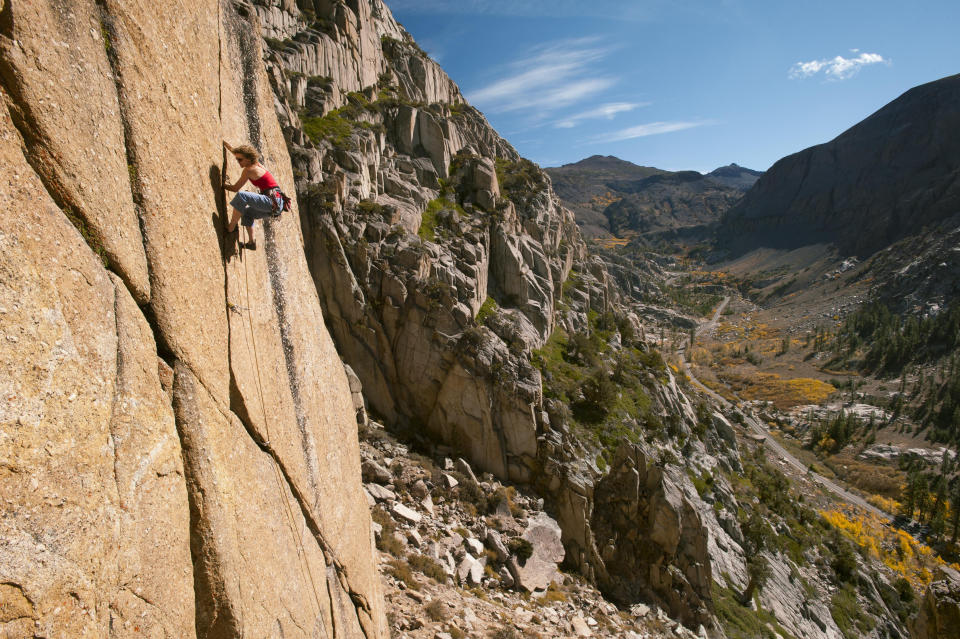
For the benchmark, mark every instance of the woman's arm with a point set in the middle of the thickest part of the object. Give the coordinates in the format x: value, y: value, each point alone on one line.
x: 227, y: 146
x: 244, y: 176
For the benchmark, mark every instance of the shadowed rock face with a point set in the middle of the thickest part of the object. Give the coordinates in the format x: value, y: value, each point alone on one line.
x: 880, y: 181
x: 655, y: 542
x: 939, y: 614
x: 171, y: 464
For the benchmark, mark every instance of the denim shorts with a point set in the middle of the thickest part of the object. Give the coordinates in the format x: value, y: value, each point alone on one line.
x: 252, y: 206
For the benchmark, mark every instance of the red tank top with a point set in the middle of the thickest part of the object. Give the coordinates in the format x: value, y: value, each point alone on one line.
x: 265, y: 181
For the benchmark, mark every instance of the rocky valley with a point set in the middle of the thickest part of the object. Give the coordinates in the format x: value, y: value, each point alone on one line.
x: 426, y: 405
x: 612, y: 196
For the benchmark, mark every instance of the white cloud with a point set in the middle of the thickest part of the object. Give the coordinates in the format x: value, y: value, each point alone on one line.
x: 552, y: 77
x: 607, y: 111
x: 652, y: 128
x: 838, y: 68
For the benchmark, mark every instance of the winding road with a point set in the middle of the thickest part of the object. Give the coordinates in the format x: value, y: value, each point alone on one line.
x: 756, y: 427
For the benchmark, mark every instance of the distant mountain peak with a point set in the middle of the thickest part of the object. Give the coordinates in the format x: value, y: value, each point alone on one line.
x: 600, y: 162
x: 733, y: 170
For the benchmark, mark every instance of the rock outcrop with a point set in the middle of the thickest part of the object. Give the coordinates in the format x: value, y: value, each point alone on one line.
x: 169, y: 466
x: 939, y: 614
x: 653, y: 538
x: 880, y: 181
x: 444, y: 261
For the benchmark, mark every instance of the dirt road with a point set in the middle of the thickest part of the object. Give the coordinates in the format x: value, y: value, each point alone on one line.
x: 756, y: 427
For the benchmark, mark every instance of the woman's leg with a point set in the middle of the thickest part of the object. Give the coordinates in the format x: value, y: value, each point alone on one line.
x: 249, y: 230
x: 234, y: 218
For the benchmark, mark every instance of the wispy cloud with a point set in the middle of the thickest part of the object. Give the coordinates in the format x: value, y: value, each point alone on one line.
x: 838, y: 68
x: 615, y: 9
x: 651, y: 128
x: 607, y: 111
x: 551, y: 77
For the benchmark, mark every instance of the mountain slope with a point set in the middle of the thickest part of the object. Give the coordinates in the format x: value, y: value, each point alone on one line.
x: 610, y: 195
x: 881, y: 180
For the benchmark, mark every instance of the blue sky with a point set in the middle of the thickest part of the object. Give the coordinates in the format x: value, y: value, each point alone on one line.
x: 689, y: 84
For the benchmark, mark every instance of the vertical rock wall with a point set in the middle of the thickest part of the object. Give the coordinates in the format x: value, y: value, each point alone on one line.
x: 415, y: 218
x: 189, y: 465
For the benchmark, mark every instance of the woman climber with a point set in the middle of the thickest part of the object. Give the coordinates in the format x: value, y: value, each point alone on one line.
x: 247, y: 206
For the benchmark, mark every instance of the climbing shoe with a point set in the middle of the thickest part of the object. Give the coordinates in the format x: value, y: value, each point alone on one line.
x: 251, y: 245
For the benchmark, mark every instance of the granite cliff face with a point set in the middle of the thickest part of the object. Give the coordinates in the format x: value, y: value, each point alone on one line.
x: 168, y: 465
x: 880, y: 181
x: 444, y: 262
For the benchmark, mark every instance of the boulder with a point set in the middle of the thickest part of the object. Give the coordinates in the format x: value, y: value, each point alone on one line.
x: 380, y: 493
x: 470, y: 570
x: 495, y: 543
x: 374, y: 472
x: 580, y: 627
x: 406, y: 514
x: 540, y: 568
x: 475, y: 546
x: 464, y: 468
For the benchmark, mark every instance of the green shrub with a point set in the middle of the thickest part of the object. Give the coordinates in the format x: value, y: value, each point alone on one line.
x: 428, y: 221
x: 436, y: 610
x: 487, y: 310
x: 332, y: 128
x: 369, y: 207
x: 520, y: 181
x: 401, y: 570
x: 387, y: 542
x: 520, y: 547
x: 848, y: 614
x: 322, y: 81
x: 428, y: 566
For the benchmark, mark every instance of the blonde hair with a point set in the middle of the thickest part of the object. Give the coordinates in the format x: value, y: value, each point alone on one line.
x: 248, y: 152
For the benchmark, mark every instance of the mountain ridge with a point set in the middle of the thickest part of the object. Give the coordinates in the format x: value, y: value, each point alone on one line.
x: 881, y: 180
x: 611, y: 195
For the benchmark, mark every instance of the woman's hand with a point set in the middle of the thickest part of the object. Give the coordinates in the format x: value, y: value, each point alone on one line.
x: 227, y: 146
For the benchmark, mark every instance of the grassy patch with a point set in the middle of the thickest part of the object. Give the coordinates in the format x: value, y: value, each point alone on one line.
x: 521, y: 181
x: 848, y: 614
x: 741, y: 622
x: 428, y: 566
x: 430, y: 219
x: 332, y: 128
x: 487, y: 309
x: 400, y: 569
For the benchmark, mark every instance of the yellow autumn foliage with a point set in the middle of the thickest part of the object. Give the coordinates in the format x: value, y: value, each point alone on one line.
x: 786, y: 393
x: 901, y: 553
x: 885, y: 504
